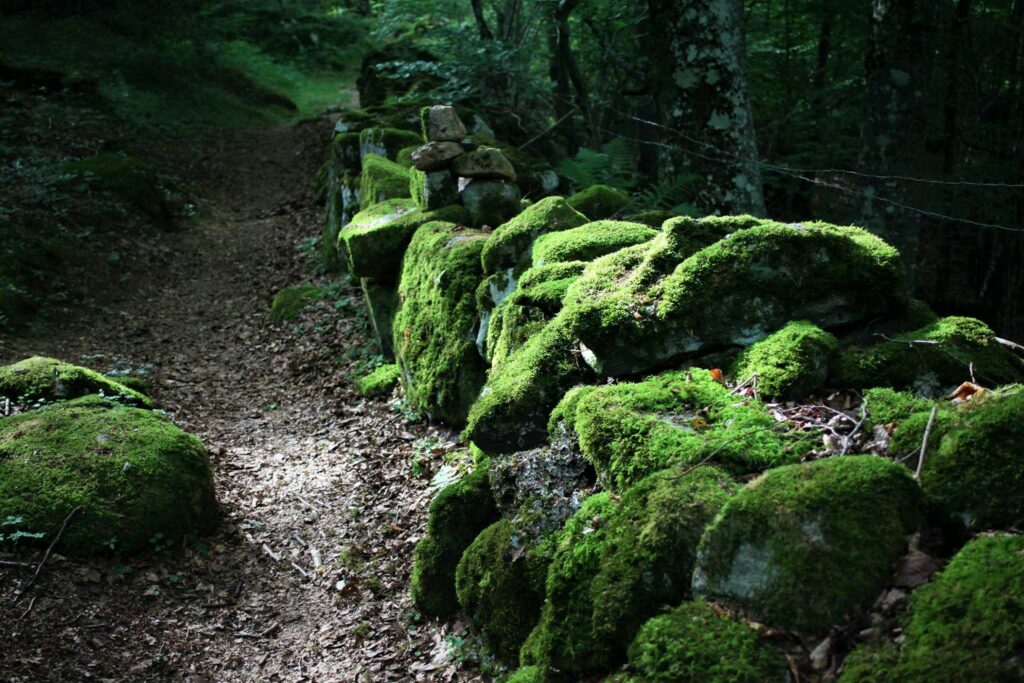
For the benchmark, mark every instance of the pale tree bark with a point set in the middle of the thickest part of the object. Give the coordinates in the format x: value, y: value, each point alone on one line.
x: 706, y: 100
x: 899, y: 65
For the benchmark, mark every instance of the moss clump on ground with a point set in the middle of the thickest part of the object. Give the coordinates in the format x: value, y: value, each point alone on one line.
x: 376, y: 239
x: 589, y: 241
x: 510, y: 244
x: 436, y: 322
x: 888, y: 406
x: 380, y: 382
x: 695, y: 644
x: 133, y: 473
x: 500, y: 585
x: 49, y: 379
x: 129, y: 180
x: 458, y: 514
x: 973, y: 467
x: 932, y: 358
x: 645, y: 306
x: 628, y: 431
x: 804, y: 545
x: 527, y: 674
x: 382, y: 180
x: 291, y: 301
x: 386, y: 142
x: 618, y: 561
x: 790, y: 363
x: 598, y: 202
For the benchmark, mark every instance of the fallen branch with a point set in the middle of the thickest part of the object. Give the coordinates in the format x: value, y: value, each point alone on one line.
x: 924, y: 442
x: 46, y: 555
x: 1011, y: 345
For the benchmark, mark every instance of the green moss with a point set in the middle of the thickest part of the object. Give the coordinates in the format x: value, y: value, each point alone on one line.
x: 932, y: 358
x: 49, y: 379
x: 871, y: 662
x: 433, y: 190
x: 500, y: 585
x: 380, y: 382
x: 129, y: 180
x: 630, y: 430
x: 598, y: 202
x: 382, y: 180
x: 618, y: 561
x: 510, y: 244
x: 291, y: 301
x: 376, y: 239
x: 510, y: 327
x: 654, y: 218
x: 563, y: 417
x: 386, y: 142
x: 641, y: 307
x: 435, y: 326
x: 790, y: 363
x: 695, y: 644
x: 589, y: 241
x: 404, y: 156
x: 973, y: 468
x: 527, y: 674
x: 490, y: 202
x: 458, y: 514
x: 345, y: 153
x: 544, y: 287
x: 804, y: 545
x: 888, y: 406
x: 135, y: 382
x: 132, y: 472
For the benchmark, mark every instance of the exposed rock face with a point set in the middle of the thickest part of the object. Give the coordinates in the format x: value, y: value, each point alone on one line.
x: 433, y: 190
x: 490, y: 202
x: 435, y: 155
x: 442, y: 124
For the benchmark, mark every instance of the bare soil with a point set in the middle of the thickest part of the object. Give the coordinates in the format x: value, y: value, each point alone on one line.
x: 307, y: 579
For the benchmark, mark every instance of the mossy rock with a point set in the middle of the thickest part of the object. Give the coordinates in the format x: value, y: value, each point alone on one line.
x: 527, y: 674
x: 48, y: 379
x: 490, y: 202
x: 803, y: 546
x: 695, y: 644
x: 436, y: 322
x: 872, y: 662
x: 134, y: 475
x: 382, y: 180
x: 563, y: 417
x: 510, y: 245
x: 627, y: 431
x: 589, y: 241
x: 433, y: 190
x: 291, y: 301
x: 342, y: 206
x: 888, y: 406
x: 458, y: 514
x: 972, y: 468
x: 618, y: 561
x: 645, y: 306
x: 544, y: 287
x: 375, y: 241
x: 500, y: 585
x: 345, y: 155
x: 127, y: 179
x: 381, y: 303
x: 654, y: 218
x: 598, y: 202
x: 932, y: 359
x: 790, y: 363
x: 405, y: 117
x: 379, y: 382
x: 510, y: 326
x: 404, y: 156
x: 386, y: 142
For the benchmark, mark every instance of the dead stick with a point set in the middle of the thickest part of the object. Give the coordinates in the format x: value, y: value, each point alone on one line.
x: 46, y: 555
x: 924, y: 442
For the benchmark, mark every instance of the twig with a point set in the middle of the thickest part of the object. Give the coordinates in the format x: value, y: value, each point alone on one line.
x: 745, y: 383
x: 1010, y: 345
x: 556, y: 125
x: 274, y: 556
x: 299, y: 569
x: 924, y: 442
x: 31, y: 604
x: 856, y: 428
x: 46, y: 555
x: 909, y: 342
x: 14, y: 563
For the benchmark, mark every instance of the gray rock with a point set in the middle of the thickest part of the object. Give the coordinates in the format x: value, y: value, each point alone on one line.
x: 486, y: 162
x: 490, y: 202
x: 433, y: 190
x: 435, y: 155
x: 441, y: 123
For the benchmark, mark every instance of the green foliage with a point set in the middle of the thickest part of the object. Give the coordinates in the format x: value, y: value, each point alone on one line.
x: 614, y: 164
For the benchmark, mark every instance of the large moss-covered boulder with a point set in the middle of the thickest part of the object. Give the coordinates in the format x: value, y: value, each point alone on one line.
x: 973, y: 466
x: 133, y: 475
x: 790, y: 363
x: 598, y: 202
x: 589, y: 241
x: 628, y: 431
x: 48, y: 379
x: 932, y: 359
x: 386, y: 142
x: 381, y: 180
x: 618, y: 561
x: 695, y: 644
x: 376, y: 238
x: 458, y: 513
x: 967, y: 624
x: 805, y: 545
x: 510, y: 245
x: 436, y: 323
x: 641, y: 308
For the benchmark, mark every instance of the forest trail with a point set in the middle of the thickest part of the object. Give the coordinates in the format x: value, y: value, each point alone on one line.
x: 307, y: 578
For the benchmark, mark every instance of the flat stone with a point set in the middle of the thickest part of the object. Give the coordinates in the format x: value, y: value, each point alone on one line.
x: 441, y: 123
x: 434, y: 156
x: 485, y: 163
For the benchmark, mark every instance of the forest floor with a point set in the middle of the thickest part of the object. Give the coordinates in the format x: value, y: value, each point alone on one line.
x: 307, y: 579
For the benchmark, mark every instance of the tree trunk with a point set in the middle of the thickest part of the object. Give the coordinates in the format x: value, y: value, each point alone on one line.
x: 567, y: 59
x: 707, y: 102
x: 481, y: 21
x: 560, y: 86
x: 951, y: 131
x: 898, y: 63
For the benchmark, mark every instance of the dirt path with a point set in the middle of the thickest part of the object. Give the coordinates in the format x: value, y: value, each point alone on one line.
x: 307, y: 580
